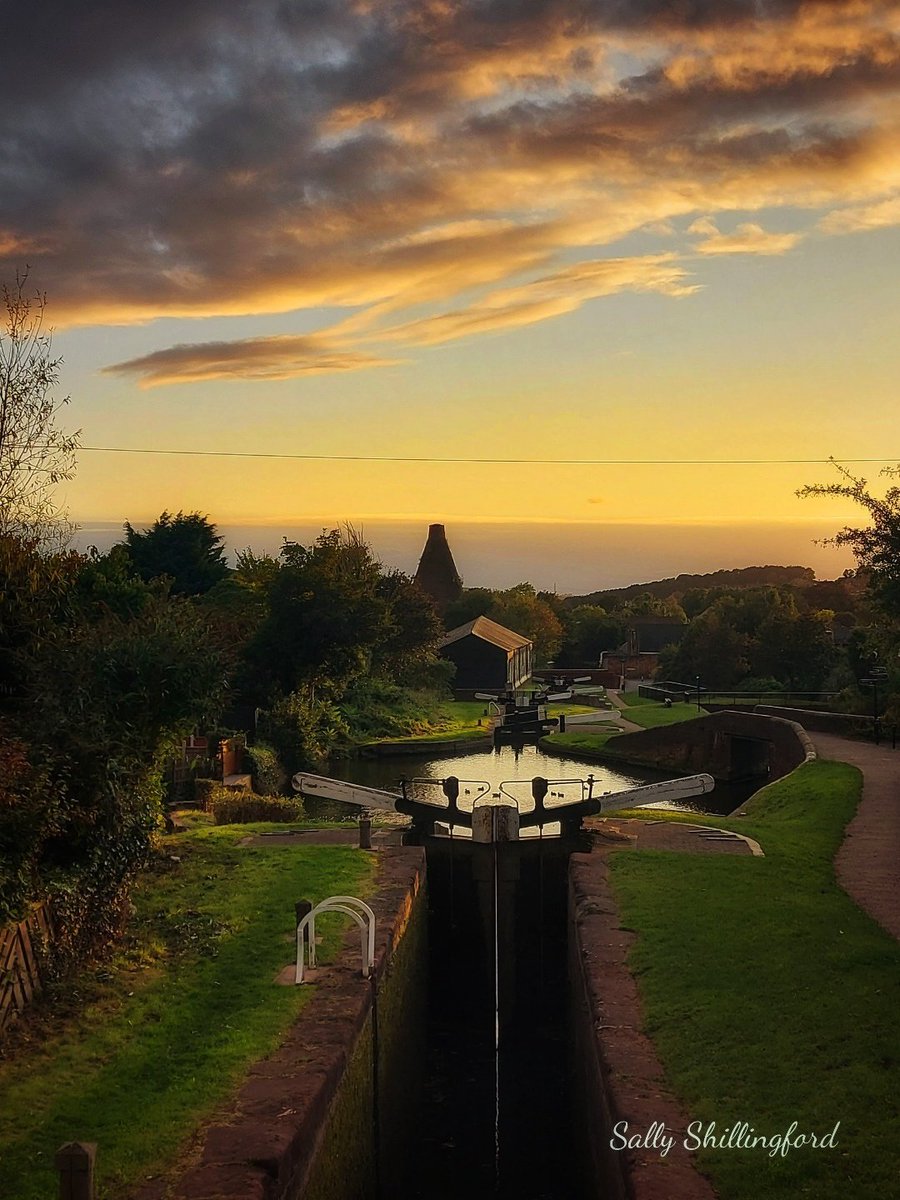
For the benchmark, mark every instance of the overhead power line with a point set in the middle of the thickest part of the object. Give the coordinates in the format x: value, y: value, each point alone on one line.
x: 512, y: 462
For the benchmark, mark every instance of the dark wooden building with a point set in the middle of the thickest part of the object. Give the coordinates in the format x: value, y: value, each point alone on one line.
x: 488, y: 656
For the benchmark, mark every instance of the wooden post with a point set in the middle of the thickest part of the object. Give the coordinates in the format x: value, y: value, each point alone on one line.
x: 75, y: 1163
x: 365, y: 833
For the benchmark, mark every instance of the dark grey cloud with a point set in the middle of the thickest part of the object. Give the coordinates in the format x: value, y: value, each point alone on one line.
x: 198, y: 156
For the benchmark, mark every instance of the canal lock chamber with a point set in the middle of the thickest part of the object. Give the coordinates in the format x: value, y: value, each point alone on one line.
x: 498, y: 1115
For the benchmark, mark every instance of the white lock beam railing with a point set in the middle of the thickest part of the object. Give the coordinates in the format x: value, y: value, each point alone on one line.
x: 353, y: 907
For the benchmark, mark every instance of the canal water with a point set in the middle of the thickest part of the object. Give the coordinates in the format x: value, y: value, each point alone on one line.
x: 510, y: 769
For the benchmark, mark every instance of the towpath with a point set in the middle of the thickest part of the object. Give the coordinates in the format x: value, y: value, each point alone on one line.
x: 868, y: 862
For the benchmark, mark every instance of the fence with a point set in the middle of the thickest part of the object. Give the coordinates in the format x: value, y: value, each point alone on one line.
x: 20, y: 944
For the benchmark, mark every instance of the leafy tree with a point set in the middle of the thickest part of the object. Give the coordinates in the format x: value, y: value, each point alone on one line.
x: 797, y: 649
x: 109, y: 674
x: 711, y: 648
x: 35, y: 594
x: 302, y: 729
x: 876, y: 546
x: 184, y: 548
x: 108, y: 583
x: 34, y: 454
x: 325, y: 614
x: 519, y: 609
x: 412, y: 627
x: 648, y: 605
x: 590, y: 630
x: 474, y: 602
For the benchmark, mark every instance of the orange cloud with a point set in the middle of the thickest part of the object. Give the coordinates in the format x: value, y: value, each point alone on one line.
x: 861, y: 217
x: 549, y: 296
x: 748, y: 238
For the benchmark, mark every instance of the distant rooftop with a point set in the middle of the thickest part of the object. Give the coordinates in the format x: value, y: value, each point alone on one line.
x: 488, y: 631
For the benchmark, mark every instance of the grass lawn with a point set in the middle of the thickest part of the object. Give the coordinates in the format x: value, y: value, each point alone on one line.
x: 652, y: 713
x: 578, y: 741
x: 136, y: 1054
x: 459, y: 719
x: 771, y: 997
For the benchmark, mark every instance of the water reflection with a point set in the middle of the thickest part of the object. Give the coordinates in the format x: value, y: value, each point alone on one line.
x: 514, y: 767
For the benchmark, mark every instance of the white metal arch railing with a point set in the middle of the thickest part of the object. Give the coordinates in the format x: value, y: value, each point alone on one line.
x: 350, y: 905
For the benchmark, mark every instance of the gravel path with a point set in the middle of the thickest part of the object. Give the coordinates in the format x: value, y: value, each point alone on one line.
x: 868, y: 862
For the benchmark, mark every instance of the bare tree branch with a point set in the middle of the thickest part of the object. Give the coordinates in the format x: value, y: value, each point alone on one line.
x: 35, y: 455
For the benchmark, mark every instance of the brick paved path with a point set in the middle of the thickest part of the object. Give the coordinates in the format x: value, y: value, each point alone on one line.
x: 868, y: 862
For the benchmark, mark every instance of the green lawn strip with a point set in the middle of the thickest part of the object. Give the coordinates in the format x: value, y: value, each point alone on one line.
x: 651, y: 713
x: 189, y: 1007
x: 770, y: 996
x: 580, y: 742
x: 462, y: 722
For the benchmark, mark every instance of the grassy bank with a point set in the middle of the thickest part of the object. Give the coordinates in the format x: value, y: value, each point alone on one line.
x: 650, y: 714
x: 771, y: 997
x: 461, y: 719
x: 136, y: 1054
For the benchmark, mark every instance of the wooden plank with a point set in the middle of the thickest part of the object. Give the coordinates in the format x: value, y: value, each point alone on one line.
x: 7, y: 945
x: 27, y: 950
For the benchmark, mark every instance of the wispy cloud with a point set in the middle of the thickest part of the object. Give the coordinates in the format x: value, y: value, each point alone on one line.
x: 861, y: 217
x: 283, y: 357
x: 548, y: 296
x: 748, y: 238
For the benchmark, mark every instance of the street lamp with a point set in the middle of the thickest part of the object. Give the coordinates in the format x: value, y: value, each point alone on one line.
x: 877, y: 675
x: 698, y: 692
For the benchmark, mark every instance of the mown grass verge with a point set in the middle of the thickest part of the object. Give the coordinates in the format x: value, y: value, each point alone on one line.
x: 136, y: 1054
x: 771, y: 997
x: 650, y: 714
x: 469, y: 719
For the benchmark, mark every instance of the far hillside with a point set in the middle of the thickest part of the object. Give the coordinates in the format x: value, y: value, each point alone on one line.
x: 741, y: 577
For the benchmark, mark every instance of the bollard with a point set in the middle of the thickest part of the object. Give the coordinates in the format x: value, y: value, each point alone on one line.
x: 75, y: 1163
x: 365, y: 833
x: 562, y: 722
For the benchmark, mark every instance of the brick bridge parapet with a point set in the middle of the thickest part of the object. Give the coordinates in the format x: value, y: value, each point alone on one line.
x: 729, y: 745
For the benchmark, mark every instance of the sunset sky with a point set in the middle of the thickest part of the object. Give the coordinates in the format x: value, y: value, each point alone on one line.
x: 496, y: 229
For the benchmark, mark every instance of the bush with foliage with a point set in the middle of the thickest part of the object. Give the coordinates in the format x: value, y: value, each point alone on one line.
x: 267, y: 774
x: 236, y: 806
x: 184, y: 548
x: 375, y: 708
x: 302, y: 729
x: 102, y: 692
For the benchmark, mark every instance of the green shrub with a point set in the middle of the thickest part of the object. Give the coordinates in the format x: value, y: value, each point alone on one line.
x: 375, y: 708
x: 302, y: 730
x: 264, y: 766
x: 204, y: 789
x: 234, y: 806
